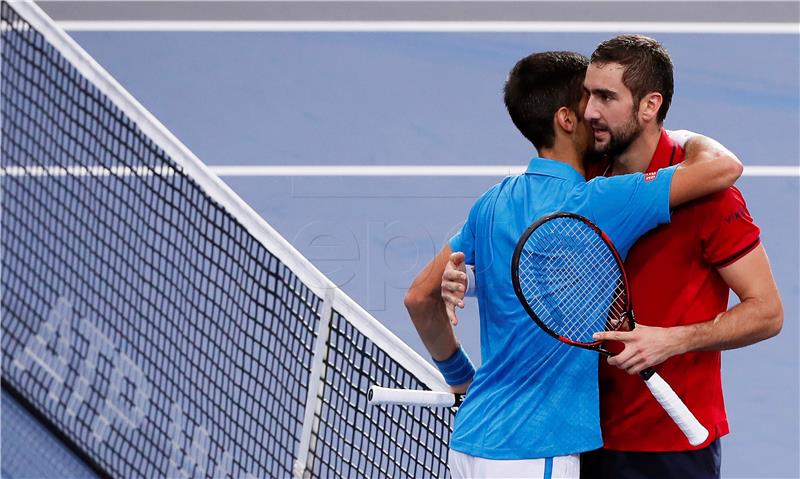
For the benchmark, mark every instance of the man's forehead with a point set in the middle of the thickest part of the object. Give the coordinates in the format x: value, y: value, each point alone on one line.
x: 604, y: 73
x: 607, y: 66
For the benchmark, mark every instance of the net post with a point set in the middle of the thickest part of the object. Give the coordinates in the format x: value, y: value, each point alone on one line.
x: 316, y: 384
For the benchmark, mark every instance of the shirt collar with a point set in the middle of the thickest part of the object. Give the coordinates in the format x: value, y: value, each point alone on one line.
x: 666, y: 153
x: 556, y: 169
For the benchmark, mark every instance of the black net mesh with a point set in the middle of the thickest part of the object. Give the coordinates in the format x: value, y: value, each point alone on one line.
x: 138, y: 315
x: 356, y: 440
x: 144, y: 322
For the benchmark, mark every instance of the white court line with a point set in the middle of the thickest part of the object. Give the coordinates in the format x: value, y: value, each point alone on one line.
x: 784, y: 171
x: 431, y: 26
x: 369, y: 170
x: 432, y: 170
x: 332, y: 170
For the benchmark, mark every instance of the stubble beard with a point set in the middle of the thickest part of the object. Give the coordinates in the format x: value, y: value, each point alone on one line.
x: 620, y: 138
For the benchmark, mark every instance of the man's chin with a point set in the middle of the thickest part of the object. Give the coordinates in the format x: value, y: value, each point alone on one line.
x: 601, y: 147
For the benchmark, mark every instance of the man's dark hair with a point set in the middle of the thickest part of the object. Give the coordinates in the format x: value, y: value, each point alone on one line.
x: 648, y: 67
x: 538, y: 86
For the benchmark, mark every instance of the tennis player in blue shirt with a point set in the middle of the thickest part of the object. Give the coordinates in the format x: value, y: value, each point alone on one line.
x: 532, y: 407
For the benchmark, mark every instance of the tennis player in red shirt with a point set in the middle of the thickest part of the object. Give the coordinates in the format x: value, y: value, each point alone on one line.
x: 680, y: 275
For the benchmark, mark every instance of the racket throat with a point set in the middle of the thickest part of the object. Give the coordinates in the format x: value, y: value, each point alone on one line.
x: 647, y: 373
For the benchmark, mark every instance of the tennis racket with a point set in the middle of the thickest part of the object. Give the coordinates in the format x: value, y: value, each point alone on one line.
x: 571, y: 281
x: 409, y: 397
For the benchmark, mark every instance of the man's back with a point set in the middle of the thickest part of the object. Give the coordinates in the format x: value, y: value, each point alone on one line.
x: 515, y: 407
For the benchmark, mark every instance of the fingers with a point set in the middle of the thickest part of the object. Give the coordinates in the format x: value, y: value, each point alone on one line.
x: 450, y: 303
x: 621, y: 323
x: 632, y: 359
x: 454, y: 285
x: 453, y: 300
x: 630, y: 363
x: 457, y: 258
x: 455, y: 275
x: 452, y: 295
x: 612, y: 336
x: 451, y: 314
x: 629, y: 359
x: 645, y: 347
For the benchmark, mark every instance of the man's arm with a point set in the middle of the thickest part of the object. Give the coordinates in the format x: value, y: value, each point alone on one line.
x: 758, y: 316
x: 708, y: 167
x: 427, y: 310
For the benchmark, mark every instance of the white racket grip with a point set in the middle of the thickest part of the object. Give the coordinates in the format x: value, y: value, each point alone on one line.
x: 677, y: 410
x: 379, y: 395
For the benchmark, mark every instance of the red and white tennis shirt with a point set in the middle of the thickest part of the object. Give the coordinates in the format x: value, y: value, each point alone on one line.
x: 674, y: 281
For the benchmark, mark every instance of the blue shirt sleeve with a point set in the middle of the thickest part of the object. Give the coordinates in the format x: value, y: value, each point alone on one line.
x: 626, y: 207
x: 464, y: 240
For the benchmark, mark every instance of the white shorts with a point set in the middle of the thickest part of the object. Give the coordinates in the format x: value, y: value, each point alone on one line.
x: 561, y: 467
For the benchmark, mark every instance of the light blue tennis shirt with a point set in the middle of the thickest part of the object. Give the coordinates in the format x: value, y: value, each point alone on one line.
x: 534, y: 396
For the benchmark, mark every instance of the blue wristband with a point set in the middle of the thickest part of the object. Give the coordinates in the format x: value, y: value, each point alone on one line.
x: 457, y: 369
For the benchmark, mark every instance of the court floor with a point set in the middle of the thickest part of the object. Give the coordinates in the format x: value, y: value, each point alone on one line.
x: 421, y: 99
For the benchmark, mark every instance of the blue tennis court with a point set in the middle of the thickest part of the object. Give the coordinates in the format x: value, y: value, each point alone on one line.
x: 419, y: 99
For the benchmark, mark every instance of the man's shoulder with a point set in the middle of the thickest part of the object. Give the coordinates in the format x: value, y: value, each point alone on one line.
x: 492, y: 191
x: 488, y: 199
x: 507, y: 186
x: 708, y: 213
x: 730, y: 198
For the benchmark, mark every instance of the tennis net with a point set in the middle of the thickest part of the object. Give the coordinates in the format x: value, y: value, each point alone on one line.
x: 154, y: 320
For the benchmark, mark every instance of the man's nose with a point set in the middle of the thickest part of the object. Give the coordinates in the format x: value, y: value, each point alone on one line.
x: 591, y: 112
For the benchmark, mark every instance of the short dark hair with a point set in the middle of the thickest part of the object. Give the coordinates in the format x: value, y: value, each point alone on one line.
x: 648, y: 67
x: 538, y: 86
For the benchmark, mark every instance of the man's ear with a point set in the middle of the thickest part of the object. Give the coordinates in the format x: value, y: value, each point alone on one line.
x: 565, y: 119
x: 649, y: 106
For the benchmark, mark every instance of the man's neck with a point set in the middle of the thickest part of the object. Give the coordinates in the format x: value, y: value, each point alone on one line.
x: 637, y: 157
x: 566, y: 155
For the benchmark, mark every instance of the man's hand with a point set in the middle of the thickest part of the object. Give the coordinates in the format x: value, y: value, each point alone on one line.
x: 645, y: 346
x: 454, y: 285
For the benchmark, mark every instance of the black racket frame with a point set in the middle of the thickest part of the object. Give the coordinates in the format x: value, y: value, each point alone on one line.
x: 628, y: 307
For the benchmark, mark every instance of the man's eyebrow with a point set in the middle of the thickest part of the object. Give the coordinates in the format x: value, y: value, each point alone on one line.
x: 601, y: 91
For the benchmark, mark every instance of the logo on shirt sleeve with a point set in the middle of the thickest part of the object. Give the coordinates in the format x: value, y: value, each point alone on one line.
x: 739, y: 214
x: 650, y: 176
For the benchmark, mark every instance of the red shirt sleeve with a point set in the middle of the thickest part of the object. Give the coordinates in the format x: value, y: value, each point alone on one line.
x: 728, y: 232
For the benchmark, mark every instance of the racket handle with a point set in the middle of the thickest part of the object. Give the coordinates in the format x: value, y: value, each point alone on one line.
x: 379, y: 395
x: 677, y: 410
